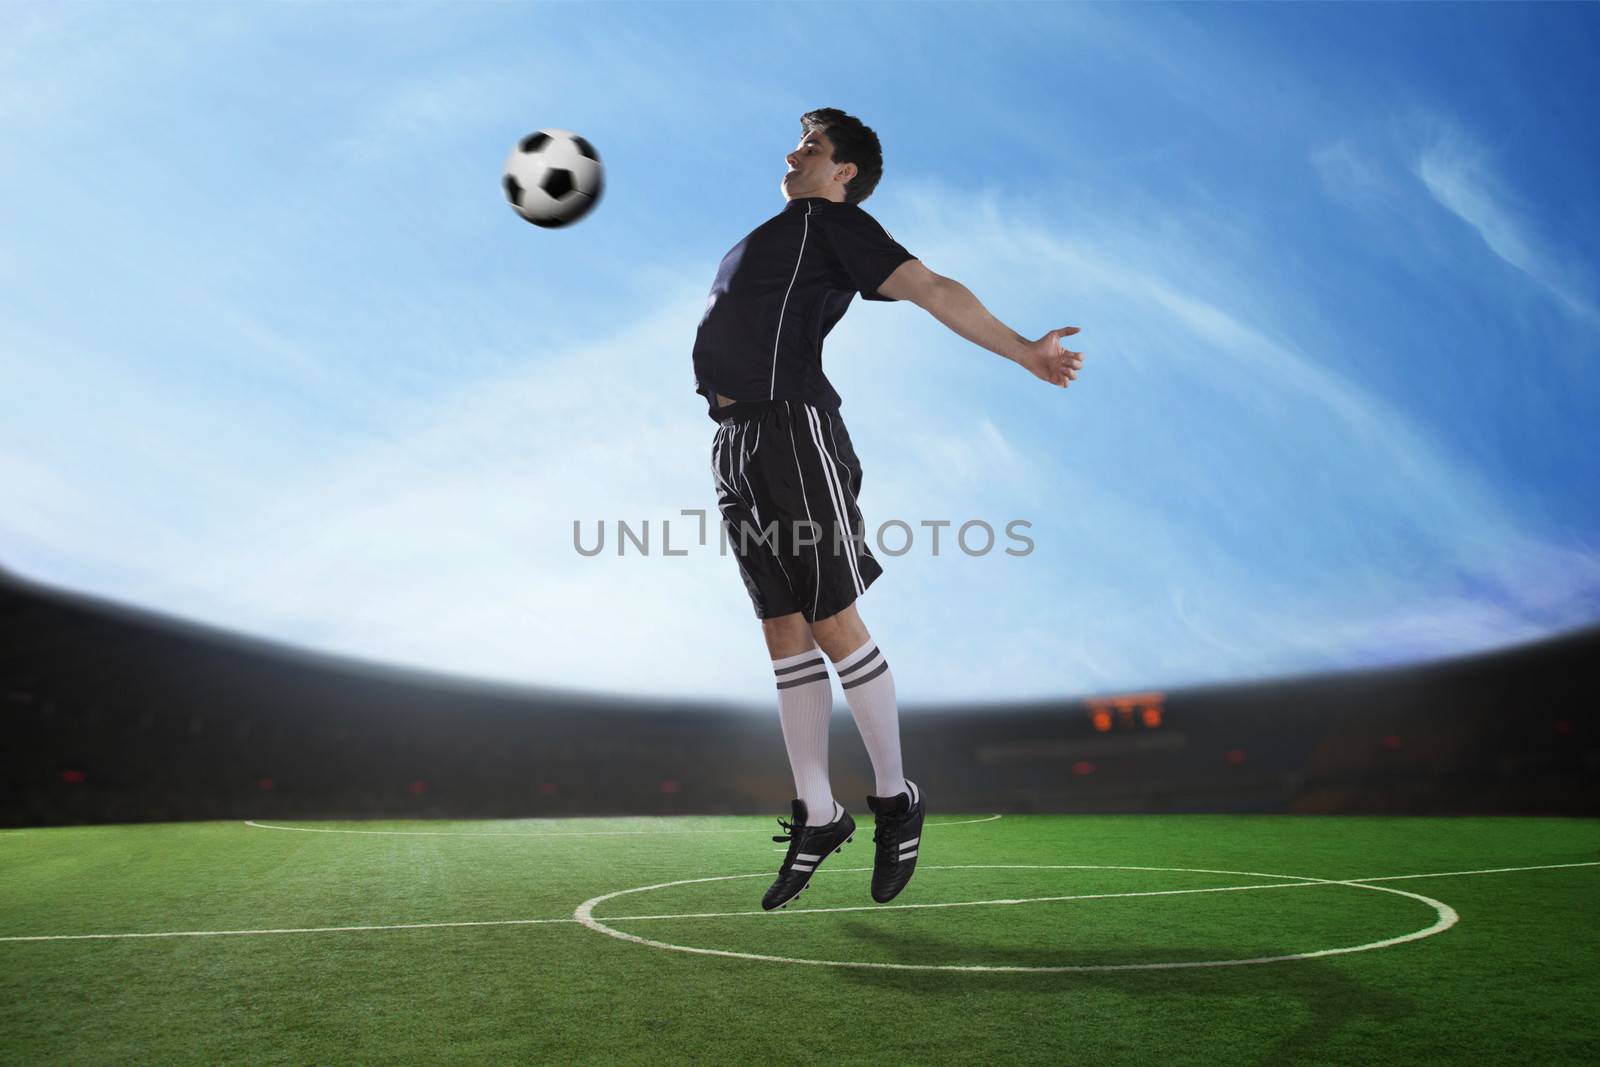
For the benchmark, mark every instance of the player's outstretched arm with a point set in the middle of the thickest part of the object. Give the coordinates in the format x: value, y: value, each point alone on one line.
x: 959, y: 309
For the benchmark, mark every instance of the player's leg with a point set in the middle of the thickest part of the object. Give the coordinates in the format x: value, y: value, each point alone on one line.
x: 787, y: 635
x: 869, y: 690
x: 897, y: 803
x: 805, y: 709
x: 819, y: 826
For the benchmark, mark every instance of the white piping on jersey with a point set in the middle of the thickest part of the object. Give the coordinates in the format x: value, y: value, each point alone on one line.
x: 772, y: 386
x: 836, y: 495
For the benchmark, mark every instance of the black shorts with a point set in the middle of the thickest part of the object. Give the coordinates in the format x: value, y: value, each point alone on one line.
x: 787, y: 480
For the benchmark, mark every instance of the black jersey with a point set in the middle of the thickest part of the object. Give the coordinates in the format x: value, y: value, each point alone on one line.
x: 779, y: 291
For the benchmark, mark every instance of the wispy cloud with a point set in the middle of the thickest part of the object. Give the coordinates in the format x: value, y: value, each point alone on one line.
x: 1460, y: 176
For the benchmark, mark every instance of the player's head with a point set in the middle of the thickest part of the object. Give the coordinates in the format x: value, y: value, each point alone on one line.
x: 838, y: 158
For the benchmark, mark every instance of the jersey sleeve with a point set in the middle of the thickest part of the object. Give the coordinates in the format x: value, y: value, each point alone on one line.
x: 867, y: 251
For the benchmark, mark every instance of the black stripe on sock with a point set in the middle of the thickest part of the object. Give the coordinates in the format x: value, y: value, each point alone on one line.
x: 807, y: 665
x: 862, y: 662
x: 863, y: 681
x: 792, y: 682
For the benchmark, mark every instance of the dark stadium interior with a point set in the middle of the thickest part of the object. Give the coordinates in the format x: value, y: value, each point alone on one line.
x: 119, y: 715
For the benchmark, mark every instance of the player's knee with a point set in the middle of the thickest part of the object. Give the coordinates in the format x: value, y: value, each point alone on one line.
x: 841, y: 633
x: 787, y: 635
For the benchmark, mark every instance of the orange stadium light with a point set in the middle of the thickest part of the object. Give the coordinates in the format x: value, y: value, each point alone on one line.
x: 1132, y: 710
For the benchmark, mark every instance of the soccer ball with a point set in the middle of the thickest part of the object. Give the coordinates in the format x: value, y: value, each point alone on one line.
x: 553, y: 178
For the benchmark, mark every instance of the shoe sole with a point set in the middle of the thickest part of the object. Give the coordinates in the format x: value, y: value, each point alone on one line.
x: 807, y: 884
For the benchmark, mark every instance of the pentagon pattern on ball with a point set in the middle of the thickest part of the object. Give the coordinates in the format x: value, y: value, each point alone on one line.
x: 556, y: 182
x: 553, y: 178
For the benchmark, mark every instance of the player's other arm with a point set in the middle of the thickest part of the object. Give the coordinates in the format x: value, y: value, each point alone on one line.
x: 955, y: 305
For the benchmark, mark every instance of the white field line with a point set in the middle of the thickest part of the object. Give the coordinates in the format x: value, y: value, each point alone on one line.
x: 285, y: 930
x: 567, y: 833
x: 1445, y: 918
x: 798, y: 911
x: 1490, y: 870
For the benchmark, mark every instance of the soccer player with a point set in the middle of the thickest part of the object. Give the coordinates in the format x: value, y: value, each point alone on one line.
x: 787, y: 477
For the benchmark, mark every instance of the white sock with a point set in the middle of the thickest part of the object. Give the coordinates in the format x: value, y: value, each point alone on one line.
x: 869, y: 690
x: 805, y: 708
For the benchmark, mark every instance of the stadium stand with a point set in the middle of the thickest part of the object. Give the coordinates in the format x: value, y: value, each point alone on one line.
x: 115, y: 714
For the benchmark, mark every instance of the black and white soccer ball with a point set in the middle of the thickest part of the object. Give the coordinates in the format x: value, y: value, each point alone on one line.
x: 553, y: 178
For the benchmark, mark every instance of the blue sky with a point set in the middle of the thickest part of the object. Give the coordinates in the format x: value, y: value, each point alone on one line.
x: 275, y: 354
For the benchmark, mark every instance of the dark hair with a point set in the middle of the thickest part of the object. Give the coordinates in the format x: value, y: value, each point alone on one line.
x: 852, y: 143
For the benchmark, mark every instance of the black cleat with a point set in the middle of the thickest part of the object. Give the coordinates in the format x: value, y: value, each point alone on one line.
x: 808, y: 847
x: 897, y: 837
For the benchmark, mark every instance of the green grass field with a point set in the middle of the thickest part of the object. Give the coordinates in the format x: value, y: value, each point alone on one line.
x: 1037, y: 939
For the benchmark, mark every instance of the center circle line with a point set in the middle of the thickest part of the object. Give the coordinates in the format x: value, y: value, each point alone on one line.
x: 1446, y: 917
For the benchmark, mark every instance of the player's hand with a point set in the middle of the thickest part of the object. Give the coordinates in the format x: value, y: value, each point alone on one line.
x: 1048, y: 361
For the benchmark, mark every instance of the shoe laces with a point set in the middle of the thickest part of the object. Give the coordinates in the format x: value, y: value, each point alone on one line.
x: 793, y: 833
x: 887, y: 837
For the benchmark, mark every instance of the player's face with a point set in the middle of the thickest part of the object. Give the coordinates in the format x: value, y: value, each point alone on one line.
x: 811, y: 167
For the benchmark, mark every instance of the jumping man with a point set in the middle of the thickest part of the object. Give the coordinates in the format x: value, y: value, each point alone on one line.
x: 787, y: 477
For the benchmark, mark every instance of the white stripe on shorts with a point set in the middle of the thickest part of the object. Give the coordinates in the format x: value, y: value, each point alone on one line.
x: 836, y: 494
x: 816, y: 554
